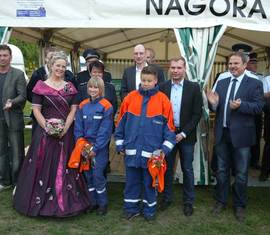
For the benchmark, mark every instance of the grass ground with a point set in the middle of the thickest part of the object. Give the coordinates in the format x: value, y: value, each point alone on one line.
x: 171, y: 221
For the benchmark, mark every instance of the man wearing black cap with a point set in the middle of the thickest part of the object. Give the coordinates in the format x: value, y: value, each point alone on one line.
x: 265, y: 166
x: 90, y: 55
x: 255, y: 150
x: 252, y: 63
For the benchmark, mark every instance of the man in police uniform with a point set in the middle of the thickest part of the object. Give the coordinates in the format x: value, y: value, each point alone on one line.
x: 255, y: 149
x: 90, y: 55
x: 265, y: 166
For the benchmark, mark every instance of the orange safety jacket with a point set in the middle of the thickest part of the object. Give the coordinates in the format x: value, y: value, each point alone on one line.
x: 157, y: 173
x: 75, y: 158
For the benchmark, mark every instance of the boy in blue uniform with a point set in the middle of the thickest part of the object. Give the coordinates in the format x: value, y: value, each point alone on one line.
x: 94, y: 121
x: 145, y: 124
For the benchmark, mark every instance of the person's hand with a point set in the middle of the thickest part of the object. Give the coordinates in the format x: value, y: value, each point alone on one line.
x: 158, y: 153
x: 122, y: 152
x: 8, y: 105
x: 212, y: 97
x: 92, y: 154
x: 235, y: 104
x: 162, y: 154
x: 179, y: 137
x: 63, y: 133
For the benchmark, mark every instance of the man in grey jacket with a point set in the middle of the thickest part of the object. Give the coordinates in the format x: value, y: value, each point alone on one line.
x: 12, y: 97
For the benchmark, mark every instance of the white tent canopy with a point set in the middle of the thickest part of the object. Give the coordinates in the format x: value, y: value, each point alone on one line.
x: 115, y: 27
x: 119, y: 42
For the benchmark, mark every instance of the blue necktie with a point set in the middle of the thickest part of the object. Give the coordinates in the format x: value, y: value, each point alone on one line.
x: 231, y: 97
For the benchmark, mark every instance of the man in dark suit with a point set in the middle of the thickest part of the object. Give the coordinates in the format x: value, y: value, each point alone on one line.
x: 12, y: 97
x: 236, y: 101
x: 186, y: 99
x: 132, y: 75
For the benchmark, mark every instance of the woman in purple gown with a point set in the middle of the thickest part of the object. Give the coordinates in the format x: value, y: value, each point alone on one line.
x: 46, y: 187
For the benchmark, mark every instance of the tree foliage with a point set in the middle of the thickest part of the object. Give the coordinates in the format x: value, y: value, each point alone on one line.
x: 30, y: 53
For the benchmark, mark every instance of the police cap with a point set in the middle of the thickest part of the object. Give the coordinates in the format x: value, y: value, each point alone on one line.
x: 253, y: 57
x: 242, y: 48
x: 90, y: 53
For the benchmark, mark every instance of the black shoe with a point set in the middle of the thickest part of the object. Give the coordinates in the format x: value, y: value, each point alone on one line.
x: 218, y: 208
x: 150, y: 218
x: 130, y: 216
x: 263, y: 177
x: 102, y: 210
x: 188, y: 209
x: 92, y: 208
x: 240, y: 214
x: 164, y: 205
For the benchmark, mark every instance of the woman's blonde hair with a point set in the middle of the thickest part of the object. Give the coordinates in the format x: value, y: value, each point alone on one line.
x: 57, y: 55
x: 97, y: 82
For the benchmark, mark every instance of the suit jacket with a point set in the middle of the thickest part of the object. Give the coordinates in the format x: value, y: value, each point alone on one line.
x: 14, y: 89
x: 266, y: 109
x: 242, y: 120
x: 191, y: 108
x: 128, y: 82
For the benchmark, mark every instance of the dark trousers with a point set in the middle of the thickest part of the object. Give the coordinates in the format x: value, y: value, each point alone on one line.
x: 186, y: 158
x: 265, y: 169
x: 255, y: 149
x: 265, y: 166
x: 229, y: 156
x: 11, y: 154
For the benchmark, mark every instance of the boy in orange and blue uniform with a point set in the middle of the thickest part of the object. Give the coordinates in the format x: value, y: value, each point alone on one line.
x: 145, y: 124
x: 93, y: 122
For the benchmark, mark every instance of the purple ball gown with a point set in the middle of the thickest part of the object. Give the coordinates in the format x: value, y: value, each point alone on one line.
x: 46, y: 186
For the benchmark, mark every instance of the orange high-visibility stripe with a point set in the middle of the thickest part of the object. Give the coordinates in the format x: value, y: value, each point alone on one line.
x: 84, y: 102
x: 105, y: 103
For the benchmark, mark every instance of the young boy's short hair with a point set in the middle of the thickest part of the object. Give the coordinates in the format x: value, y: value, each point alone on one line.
x: 96, y: 82
x: 150, y: 69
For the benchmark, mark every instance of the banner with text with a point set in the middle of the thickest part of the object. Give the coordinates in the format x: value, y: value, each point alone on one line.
x: 246, y: 14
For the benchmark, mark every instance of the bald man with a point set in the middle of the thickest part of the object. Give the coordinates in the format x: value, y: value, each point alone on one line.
x: 131, y: 76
